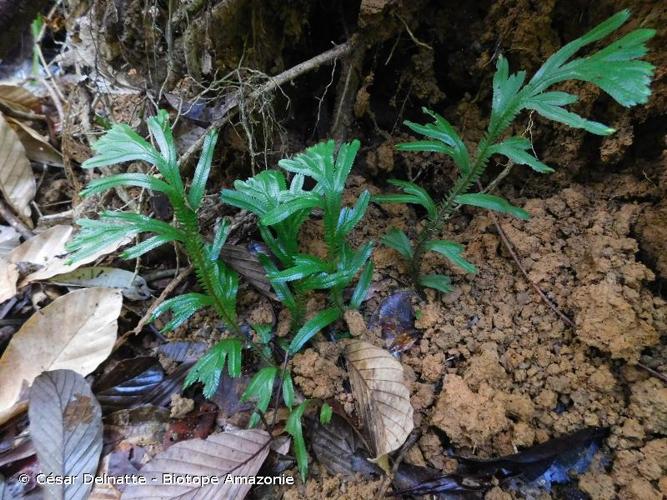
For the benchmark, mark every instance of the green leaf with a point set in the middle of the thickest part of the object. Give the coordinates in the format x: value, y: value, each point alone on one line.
x: 515, y: 148
x: 242, y: 200
x: 326, y: 412
x: 133, y: 180
x: 288, y: 390
x: 294, y: 429
x: 492, y: 202
x: 306, y: 201
x: 145, y: 246
x: 424, y: 199
x: 320, y: 321
x: 350, y: 217
x: 282, y: 290
x: 181, y: 308
x: 344, y: 162
x: 363, y: 284
x: 260, y: 388
x: 208, y: 369
x: 439, y: 282
x: 159, y: 128
x: 219, y: 239
x: 315, y: 162
x: 615, y: 68
x: 452, y: 251
x: 559, y: 114
x: 202, y: 171
x: 305, y: 266
x: 264, y: 331
x: 121, y: 144
x: 450, y: 143
x: 397, y: 240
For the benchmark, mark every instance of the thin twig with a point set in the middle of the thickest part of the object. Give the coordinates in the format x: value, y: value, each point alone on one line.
x: 163, y: 296
x: 653, y: 372
x: 273, y: 83
x: 14, y: 221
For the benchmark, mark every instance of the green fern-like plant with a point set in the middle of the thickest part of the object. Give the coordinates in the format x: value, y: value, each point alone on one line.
x: 616, y: 69
x: 218, y: 282
x: 281, y: 209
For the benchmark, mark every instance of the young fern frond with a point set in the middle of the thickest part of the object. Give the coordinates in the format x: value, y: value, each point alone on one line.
x: 616, y: 69
x: 218, y: 282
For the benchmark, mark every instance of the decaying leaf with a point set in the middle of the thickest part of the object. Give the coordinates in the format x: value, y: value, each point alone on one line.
x: 9, y: 240
x: 128, y: 383
x: 245, y: 262
x: 66, y: 429
x: 36, y: 147
x: 17, y: 183
x: 132, y: 286
x: 338, y: 449
x: 239, y: 453
x: 18, y: 98
x: 76, y: 331
x: 381, y: 396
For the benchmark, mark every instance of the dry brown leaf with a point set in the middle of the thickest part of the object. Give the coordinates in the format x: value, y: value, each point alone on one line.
x: 382, y: 398
x: 19, y: 98
x: 238, y: 453
x: 76, y: 331
x: 17, y: 183
x: 46, y: 251
x: 36, y: 147
x: 38, y: 251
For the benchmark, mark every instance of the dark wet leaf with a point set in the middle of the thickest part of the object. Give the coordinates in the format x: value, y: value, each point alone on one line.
x: 536, y: 460
x: 417, y: 481
x: 396, y: 319
x: 183, y: 351
x: 244, y: 261
x: 15, y: 485
x: 15, y: 442
x: 195, y: 110
x: 66, y: 429
x: 172, y: 384
x: 542, y: 464
x: 128, y: 383
x: 338, y: 449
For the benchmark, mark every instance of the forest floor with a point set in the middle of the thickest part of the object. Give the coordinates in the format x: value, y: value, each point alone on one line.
x: 492, y: 367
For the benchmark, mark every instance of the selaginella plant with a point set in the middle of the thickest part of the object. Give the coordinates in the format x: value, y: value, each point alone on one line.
x: 281, y: 210
x: 616, y: 69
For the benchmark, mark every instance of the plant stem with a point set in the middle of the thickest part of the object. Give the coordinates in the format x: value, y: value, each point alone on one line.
x: 449, y: 205
x: 204, y: 267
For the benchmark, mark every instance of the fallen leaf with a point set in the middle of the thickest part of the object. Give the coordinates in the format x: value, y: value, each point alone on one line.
x: 128, y: 382
x: 245, y: 262
x: 17, y: 183
x: 66, y: 429
x: 182, y: 350
x: 47, y: 252
x: 132, y: 285
x: 239, y: 453
x: 76, y: 331
x: 36, y: 146
x: 381, y: 396
x: 19, y: 98
x: 338, y: 449
x: 9, y: 239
